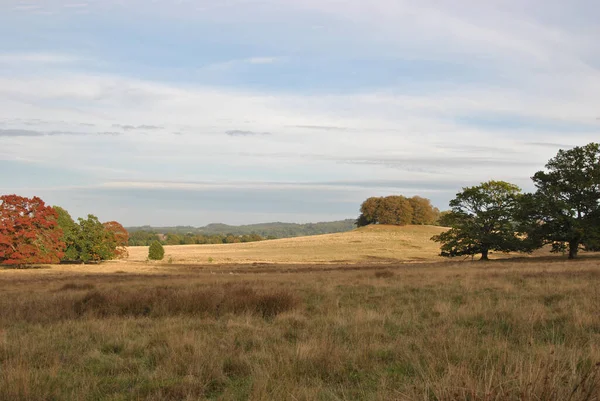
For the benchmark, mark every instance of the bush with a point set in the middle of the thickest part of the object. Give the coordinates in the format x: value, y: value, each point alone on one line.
x: 156, y: 251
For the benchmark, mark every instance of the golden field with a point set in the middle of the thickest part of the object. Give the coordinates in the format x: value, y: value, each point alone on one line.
x: 367, y: 244
x: 376, y: 329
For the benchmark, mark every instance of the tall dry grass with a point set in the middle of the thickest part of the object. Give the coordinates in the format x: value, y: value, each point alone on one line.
x: 495, y: 331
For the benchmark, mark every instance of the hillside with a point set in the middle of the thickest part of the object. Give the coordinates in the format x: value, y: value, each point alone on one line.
x: 277, y: 229
x: 367, y: 244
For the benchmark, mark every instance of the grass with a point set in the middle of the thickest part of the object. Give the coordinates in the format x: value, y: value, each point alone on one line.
x: 373, y: 244
x: 502, y: 330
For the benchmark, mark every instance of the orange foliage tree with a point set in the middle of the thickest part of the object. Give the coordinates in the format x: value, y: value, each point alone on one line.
x: 29, y: 232
x: 120, y: 236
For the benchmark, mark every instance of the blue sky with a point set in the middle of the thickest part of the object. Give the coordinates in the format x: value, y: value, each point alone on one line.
x: 242, y: 111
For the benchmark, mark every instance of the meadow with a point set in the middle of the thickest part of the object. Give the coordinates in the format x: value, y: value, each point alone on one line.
x: 515, y: 329
x: 368, y: 244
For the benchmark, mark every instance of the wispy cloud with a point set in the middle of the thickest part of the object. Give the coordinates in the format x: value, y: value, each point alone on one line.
x: 245, y: 133
x: 38, y: 57
x: 33, y: 133
x: 139, y: 127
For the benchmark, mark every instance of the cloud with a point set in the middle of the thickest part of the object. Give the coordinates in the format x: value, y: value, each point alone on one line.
x: 139, y: 127
x: 230, y: 65
x: 550, y: 145
x: 75, y: 5
x: 245, y: 133
x: 33, y: 133
x: 19, y: 132
x: 261, y: 60
x: 39, y: 58
x: 322, y: 127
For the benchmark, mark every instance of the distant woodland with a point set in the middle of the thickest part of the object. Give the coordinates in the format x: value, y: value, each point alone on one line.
x: 223, y: 233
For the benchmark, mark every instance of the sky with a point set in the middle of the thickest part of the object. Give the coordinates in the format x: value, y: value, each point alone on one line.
x: 183, y: 112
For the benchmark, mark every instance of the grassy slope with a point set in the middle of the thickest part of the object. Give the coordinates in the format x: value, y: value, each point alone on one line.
x: 372, y: 243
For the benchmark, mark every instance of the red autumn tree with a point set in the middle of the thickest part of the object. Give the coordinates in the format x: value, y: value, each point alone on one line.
x: 29, y: 232
x: 120, y: 236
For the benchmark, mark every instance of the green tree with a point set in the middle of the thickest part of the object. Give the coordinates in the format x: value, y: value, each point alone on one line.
x: 482, y: 220
x: 565, y: 208
x: 156, y: 251
x: 94, y: 242
x: 70, y: 234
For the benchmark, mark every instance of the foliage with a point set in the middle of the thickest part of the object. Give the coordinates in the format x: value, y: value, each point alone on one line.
x: 89, y: 240
x: 29, y: 232
x: 70, y: 231
x: 423, y: 211
x: 156, y: 251
x: 565, y: 209
x: 397, y: 210
x: 120, y: 237
x: 94, y: 242
x: 482, y: 220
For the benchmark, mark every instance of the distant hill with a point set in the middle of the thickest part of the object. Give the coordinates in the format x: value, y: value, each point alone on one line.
x: 278, y: 230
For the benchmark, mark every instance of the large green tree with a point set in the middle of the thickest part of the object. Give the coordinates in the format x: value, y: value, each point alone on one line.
x: 94, y: 241
x: 70, y: 231
x: 482, y: 220
x: 565, y: 208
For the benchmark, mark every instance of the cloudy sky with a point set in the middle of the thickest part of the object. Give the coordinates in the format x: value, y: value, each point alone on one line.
x: 188, y: 112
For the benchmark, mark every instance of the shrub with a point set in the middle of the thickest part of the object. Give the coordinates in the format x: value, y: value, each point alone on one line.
x: 156, y: 251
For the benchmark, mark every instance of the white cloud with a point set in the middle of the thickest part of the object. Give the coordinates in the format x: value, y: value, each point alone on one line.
x: 37, y: 57
x: 262, y: 60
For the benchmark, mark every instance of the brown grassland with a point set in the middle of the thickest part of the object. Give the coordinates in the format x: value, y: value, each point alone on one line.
x: 367, y: 244
x: 376, y: 329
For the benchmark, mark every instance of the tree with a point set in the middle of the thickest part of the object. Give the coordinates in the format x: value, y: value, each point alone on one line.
x: 70, y: 231
x: 482, y: 220
x: 94, y: 242
x: 119, y: 236
x: 368, y: 212
x: 423, y: 211
x: 395, y: 210
x: 156, y: 251
x: 566, y: 205
x: 29, y: 232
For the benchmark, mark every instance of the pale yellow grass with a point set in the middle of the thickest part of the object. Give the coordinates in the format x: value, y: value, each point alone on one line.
x: 368, y: 244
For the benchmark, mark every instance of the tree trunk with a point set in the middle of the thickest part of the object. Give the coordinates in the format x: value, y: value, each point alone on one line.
x: 484, y: 254
x: 573, y: 249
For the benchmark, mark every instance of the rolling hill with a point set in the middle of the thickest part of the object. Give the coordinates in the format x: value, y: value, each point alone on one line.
x: 377, y: 243
x: 278, y: 230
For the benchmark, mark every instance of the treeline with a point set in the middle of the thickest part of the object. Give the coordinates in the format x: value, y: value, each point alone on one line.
x: 563, y: 212
x: 146, y: 238
x: 32, y: 232
x: 397, y: 210
x: 265, y: 230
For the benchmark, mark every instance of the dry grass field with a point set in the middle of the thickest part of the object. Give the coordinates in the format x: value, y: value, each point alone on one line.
x: 503, y: 330
x: 367, y: 244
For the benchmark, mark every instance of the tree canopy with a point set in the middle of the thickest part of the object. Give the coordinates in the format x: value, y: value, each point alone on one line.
x: 482, y: 220
x: 89, y: 240
x: 29, y: 231
x: 397, y: 210
x: 565, y: 209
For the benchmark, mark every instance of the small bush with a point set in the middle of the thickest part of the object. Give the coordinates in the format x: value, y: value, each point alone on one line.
x: 156, y: 251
